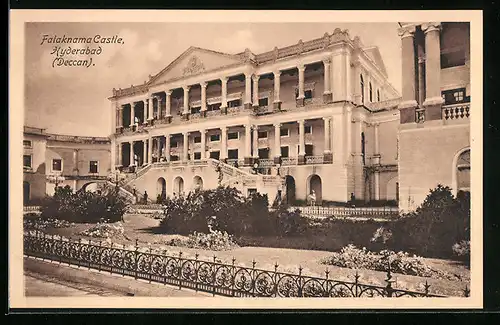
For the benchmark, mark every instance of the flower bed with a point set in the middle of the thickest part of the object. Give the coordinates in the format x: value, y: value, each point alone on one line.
x: 400, y: 262
x: 41, y: 224
x: 216, y: 241
x: 104, y: 230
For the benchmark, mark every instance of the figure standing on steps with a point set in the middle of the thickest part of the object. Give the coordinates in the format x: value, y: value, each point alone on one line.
x: 312, y: 198
x: 145, y: 197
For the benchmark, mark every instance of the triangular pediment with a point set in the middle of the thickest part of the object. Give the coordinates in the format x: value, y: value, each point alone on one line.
x: 195, y: 61
x: 374, y: 54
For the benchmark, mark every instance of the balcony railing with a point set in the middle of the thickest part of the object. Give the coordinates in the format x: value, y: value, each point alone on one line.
x: 314, y: 160
x: 289, y: 161
x: 266, y: 163
x: 456, y: 111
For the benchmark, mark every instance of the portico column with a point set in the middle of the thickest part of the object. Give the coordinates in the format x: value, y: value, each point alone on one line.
x: 255, y: 141
x: 120, y: 116
x: 302, y: 143
x: 223, y: 155
x: 408, y: 104
x: 277, y: 82
x: 433, y: 99
x: 203, y: 86
x: 223, y: 105
x: 150, y: 109
x: 145, y: 111
x: 248, y: 144
x: 150, y: 150
x: 185, y: 146
x: 248, y: 91
x: 327, y: 152
x: 132, y: 114
x: 185, y: 112
x: 277, y: 143
x: 160, y: 110
x: 203, y: 143
x: 300, y: 98
x: 132, y: 162
x: 168, y: 103
x: 145, y: 151
x: 256, y: 90
x: 167, y: 147
x: 327, y: 94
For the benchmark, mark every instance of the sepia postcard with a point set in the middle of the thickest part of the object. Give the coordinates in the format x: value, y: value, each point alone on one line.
x: 245, y: 159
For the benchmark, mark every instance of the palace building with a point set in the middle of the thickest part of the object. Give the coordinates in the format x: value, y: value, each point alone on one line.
x: 51, y: 160
x: 434, y: 132
x: 316, y: 117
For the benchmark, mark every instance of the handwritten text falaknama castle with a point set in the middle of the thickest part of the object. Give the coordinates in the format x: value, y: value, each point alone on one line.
x: 96, y: 39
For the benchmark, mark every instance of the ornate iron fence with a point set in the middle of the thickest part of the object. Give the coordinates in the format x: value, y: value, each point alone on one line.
x: 208, y: 276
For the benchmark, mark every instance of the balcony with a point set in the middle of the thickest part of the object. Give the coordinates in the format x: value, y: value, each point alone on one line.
x: 456, y: 112
x: 294, y: 161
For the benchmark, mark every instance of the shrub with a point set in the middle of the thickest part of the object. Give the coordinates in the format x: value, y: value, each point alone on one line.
x: 104, y: 230
x: 215, y: 240
x: 41, y: 224
x: 84, y: 206
x: 441, y: 221
x: 291, y: 223
x: 462, y: 250
x: 401, y: 262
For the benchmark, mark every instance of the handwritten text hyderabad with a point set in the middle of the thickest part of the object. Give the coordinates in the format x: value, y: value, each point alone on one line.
x: 97, y: 39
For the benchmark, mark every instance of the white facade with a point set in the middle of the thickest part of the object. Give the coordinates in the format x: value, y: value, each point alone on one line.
x: 320, y: 113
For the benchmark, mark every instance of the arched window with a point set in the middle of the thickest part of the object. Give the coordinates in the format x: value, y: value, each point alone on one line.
x: 362, y: 84
x: 463, y: 171
x: 378, y: 95
x: 363, y: 146
x: 371, y: 92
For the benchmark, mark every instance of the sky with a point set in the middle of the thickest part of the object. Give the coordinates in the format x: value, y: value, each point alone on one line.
x: 74, y: 100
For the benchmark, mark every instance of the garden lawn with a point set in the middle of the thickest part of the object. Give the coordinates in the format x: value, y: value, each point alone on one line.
x: 145, y: 230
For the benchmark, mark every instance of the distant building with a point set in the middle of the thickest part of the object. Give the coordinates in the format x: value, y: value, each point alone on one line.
x: 48, y: 159
x: 318, y: 115
x: 434, y: 135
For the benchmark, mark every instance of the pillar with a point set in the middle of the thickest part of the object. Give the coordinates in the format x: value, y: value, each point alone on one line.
x: 256, y: 90
x: 327, y: 94
x: 408, y: 104
x: 203, y: 143
x: 119, y: 162
x: 132, y: 114
x: 348, y: 138
x: 338, y: 141
x: 223, y: 154
x: 167, y: 147
x: 150, y: 150
x: 248, y: 145
x: 348, y: 75
x: 277, y: 143
x: 145, y: 111
x: 75, y: 162
x: 150, y: 109
x: 168, y: 104
x: 433, y: 99
x: 248, y: 91
x: 132, y: 162
x: 376, y: 125
x: 160, y: 109
x: 357, y: 161
x: 203, y: 110
x: 223, y: 106
x: 185, y: 146
x: 357, y: 88
x: 376, y: 161
x: 185, y: 112
x: 300, y: 98
x: 144, y: 152
x: 277, y: 82
x: 302, y: 143
x: 255, y: 141
x: 327, y: 152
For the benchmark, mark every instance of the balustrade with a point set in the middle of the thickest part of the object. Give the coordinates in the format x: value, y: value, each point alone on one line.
x: 456, y: 111
x: 314, y: 160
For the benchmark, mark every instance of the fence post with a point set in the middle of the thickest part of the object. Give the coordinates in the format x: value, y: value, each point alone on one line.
x: 111, y: 260
x: 90, y: 245
x: 389, y: 281
x: 79, y: 251
x: 426, y: 288
x: 179, y: 272
x: 300, y: 293
x: 100, y: 255
x: 356, y: 283
x: 467, y: 291
x: 136, y: 255
x: 327, y: 283
x: 123, y: 260
x: 253, y: 277
x: 275, y: 287
x: 196, y: 271
x: 213, y: 276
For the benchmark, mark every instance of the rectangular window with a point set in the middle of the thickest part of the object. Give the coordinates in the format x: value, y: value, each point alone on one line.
x: 233, y: 135
x: 195, y: 110
x: 215, y: 155
x: 27, y: 161
x: 452, y: 58
x: 173, y: 144
x: 263, y: 102
x: 308, y: 94
x: 232, y: 154
x: 197, y: 139
x: 93, y: 167
x: 213, y: 107
x: 215, y: 137
x: 284, y: 152
x: 309, y: 150
x: 262, y: 134
x: 454, y: 96
x: 174, y: 158
x: 285, y: 132
x: 27, y: 143
x: 308, y: 129
x: 197, y: 156
x: 264, y: 153
x: 57, y: 165
x: 234, y: 103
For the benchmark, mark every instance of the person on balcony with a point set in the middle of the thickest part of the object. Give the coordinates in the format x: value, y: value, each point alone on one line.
x: 136, y: 120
